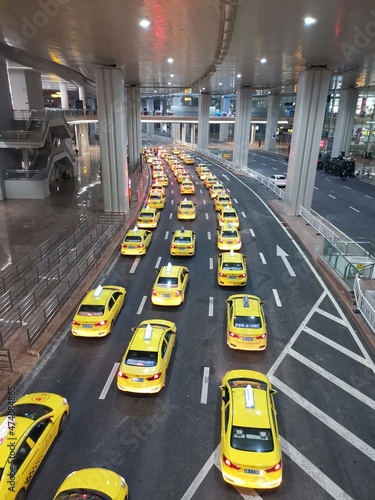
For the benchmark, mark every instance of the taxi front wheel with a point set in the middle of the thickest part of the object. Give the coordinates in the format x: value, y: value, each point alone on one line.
x: 62, y: 424
x: 21, y: 495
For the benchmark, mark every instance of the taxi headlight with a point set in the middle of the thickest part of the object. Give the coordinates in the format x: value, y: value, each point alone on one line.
x: 123, y: 483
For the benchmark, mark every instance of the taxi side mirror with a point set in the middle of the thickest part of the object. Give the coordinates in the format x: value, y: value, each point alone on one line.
x: 132, y: 329
x: 273, y: 392
x: 262, y: 303
x: 221, y: 387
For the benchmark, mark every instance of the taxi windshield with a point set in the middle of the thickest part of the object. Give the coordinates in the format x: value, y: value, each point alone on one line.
x: 247, y: 322
x: 141, y: 358
x: 29, y: 410
x: 251, y: 439
x: 82, y: 494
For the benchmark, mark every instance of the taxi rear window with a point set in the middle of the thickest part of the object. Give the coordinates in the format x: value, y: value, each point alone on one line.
x: 182, y: 239
x: 185, y: 205
x: 133, y: 238
x: 251, y: 439
x: 141, y: 358
x: 235, y: 266
x: 145, y: 215
x: 167, y: 282
x: 91, y: 310
x: 247, y: 322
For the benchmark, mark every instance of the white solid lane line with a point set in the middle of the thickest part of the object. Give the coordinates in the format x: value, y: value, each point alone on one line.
x: 262, y: 258
x: 211, y: 263
x: 210, y: 306
x: 142, y: 304
x: 277, y: 298
x: 109, y: 381
x: 206, y: 378
x: 135, y: 265
x: 158, y: 263
x: 355, y: 210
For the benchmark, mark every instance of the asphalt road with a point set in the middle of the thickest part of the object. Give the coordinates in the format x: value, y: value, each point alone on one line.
x: 165, y: 445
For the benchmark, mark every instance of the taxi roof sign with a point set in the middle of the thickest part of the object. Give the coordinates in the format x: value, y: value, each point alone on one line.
x: 249, y: 397
x: 135, y: 229
x: 148, y: 332
x: 169, y: 267
x: 98, y: 291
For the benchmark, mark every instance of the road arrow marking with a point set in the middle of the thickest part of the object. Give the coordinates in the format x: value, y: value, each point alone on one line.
x: 281, y: 253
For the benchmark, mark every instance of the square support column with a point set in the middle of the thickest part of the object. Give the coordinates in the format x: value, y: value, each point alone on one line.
x: 113, y: 138
x: 204, y: 101
x: 133, y: 114
x: 242, y: 127
x: 307, y: 130
x: 272, y: 120
x: 345, y: 121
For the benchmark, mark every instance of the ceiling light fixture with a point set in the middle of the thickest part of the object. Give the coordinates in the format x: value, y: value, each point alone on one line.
x: 309, y: 20
x: 171, y: 75
x: 220, y: 83
x: 169, y: 83
x: 144, y: 22
x: 239, y: 75
x: 170, y: 60
x: 263, y: 60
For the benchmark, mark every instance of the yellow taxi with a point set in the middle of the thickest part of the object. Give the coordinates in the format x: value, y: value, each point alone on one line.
x: 182, y: 176
x: 27, y: 430
x: 187, y: 187
x: 170, y: 286
x: 216, y: 189
x: 199, y: 167
x: 175, y: 150
x: 231, y: 269
x: 161, y: 179
x: 186, y: 210
x: 156, y: 187
x: 183, y: 243
x: 94, y: 483
x: 228, y: 215
x: 136, y: 241
x: 222, y: 200
x: 148, y: 218
x: 250, y: 452
x: 156, y: 200
x: 246, y: 323
x: 182, y: 154
x: 204, y: 173
x: 228, y: 238
x: 208, y: 181
x: 98, y: 311
x: 144, y: 365
x: 189, y: 160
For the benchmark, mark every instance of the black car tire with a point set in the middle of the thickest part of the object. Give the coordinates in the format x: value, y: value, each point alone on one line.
x: 62, y: 424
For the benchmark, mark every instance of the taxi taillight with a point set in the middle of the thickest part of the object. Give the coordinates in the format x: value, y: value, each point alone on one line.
x: 101, y: 323
x: 275, y: 467
x: 75, y: 323
x: 263, y: 336
x: 234, y: 335
x: 230, y: 464
x: 121, y: 374
x: 154, y: 377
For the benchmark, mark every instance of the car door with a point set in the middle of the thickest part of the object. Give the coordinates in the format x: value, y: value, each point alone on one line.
x: 118, y: 300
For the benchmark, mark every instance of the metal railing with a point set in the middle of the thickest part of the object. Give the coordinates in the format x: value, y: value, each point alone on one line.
x: 363, y: 305
x: 5, y: 360
x: 25, y: 175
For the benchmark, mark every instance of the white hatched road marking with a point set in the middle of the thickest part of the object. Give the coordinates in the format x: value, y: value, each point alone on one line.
x: 334, y: 197
x: 317, y: 475
x: 210, y: 306
x: 166, y: 235
x: 338, y: 347
x: 323, y: 417
x: 135, y: 265
x: 109, y: 381
x: 262, y: 258
x: 330, y: 316
x: 355, y: 210
x: 209, y: 235
x: 206, y: 378
x: 332, y: 378
x: 252, y: 233
x: 277, y: 298
x: 210, y: 263
x: 142, y: 304
x: 158, y: 263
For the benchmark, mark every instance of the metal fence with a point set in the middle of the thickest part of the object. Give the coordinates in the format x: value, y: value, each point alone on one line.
x: 5, y: 360
x: 363, y: 305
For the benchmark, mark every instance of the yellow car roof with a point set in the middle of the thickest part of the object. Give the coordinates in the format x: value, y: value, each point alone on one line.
x: 245, y: 305
x: 100, y: 294
x: 170, y: 270
x: 97, y: 479
x: 232, y: 257
x: 147, y: 337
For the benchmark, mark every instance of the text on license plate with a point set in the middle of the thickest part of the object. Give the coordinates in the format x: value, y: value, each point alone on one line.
x: 134, y: 379
x: 251, y: 471
x: 87, y: 326
x: 165, y: 295
x: 249, y: 339
x: 232, y: 277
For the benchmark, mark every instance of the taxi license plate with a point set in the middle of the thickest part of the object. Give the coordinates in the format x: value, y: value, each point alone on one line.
x: 232, y: 277
x: 87, y: 326
x: 137, y: 379
x: 249, y: 339
x: 182, y: 248
x: 251, y: 471
x: 165, y: 295
x: 131, y: 247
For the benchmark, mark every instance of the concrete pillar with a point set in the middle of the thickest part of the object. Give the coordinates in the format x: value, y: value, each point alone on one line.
x: 25, y: 158
x: 345, y: 121
x: 272, y: 120
x: 183, y: 133
x: 64, y: 94
x: 150, y: 111
x: 113, y: 138
x: 175, y: 132
x: 252, y: 135
x: 6, y: 115
x: 225, y: 103
x: 175, y: 101
x: 204, y: 101
x: 133, y: 114
x: 192, y: 134
x: 82, y: 95
x: 223, y: 132
x: 26, y: 87
x: 83, y: 144
x: 242, y: 127
x: 307, y: 130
